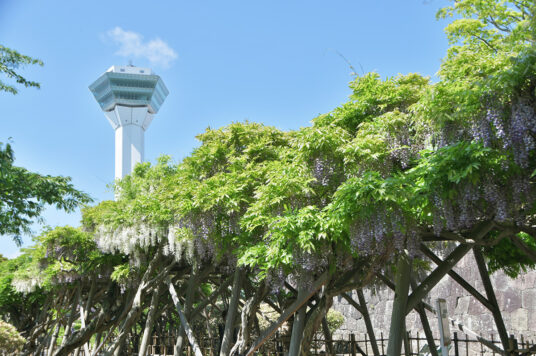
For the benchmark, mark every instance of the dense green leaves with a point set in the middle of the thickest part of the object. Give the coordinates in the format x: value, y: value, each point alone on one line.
x: 24, y: 194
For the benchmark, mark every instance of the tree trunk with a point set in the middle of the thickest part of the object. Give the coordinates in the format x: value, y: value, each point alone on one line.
x: 53, y: 339
x: 70, y: 321
x: 184, y: 321
x: 149, y: 322
x: 398, y: 315
x: 83, y: 312
x: 247, y: 316
x: 190, y: 292
x: 136, y: 304
x: 287, y: 313
x: 297, y: 327
x: 231, y: 314
x: 313, y: 321
x: 105, y: 318
x: 327, y: 337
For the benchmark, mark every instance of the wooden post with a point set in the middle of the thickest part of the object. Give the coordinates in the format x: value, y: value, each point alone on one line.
x: 496, y: 311
x: 466, y: 345
x: 368, y: 322
x: 407, y: 346
x: 425, y: 324
x: 383, y: 349
x: 418, y: 342
x: 352, y: 344
x: 513, y: 345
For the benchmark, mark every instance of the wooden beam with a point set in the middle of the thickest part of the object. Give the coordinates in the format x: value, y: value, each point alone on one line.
x: 368, y: 322
x: 484, y: 275
x: 462, y: 282
x: 352, y: 303
x: 433, y: 278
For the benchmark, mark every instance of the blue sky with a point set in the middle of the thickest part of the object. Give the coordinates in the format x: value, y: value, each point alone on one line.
x: 275, y: 62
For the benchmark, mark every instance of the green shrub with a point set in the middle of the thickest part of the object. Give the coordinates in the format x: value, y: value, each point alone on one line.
x: 335, y: 320
x: 10, y: 339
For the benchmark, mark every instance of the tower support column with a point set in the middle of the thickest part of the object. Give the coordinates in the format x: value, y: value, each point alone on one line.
x: 129, y: 149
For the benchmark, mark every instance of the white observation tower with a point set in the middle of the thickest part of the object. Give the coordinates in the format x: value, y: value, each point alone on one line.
x: 130, y: 97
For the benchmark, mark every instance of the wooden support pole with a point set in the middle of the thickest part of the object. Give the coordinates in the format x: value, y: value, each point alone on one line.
x: 459, y: 279
x: 425, y: 324
x: 497, y: 316
x: 368, y: 322
x: 430, y: 282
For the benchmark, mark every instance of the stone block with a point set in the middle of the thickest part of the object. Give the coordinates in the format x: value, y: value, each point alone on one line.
x: 501, y: 282
x: 475, y: 308
x: 462, y: 305
x: 529, y: 300
x: 511, y: 300
x: 529, y: 280
x: 532, y: 322
x: 487, y: 324
x: 519, y: 321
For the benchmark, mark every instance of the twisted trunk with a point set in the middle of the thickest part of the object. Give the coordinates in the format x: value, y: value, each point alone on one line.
x: 190, y: 291
x: 149, y: 322
x: 231, y: 314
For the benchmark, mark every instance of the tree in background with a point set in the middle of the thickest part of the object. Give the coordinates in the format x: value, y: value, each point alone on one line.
x: 10, y: 60
x: 24, y: 194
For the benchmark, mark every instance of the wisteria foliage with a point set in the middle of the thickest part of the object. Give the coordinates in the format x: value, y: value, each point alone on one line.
x: 402, y: 157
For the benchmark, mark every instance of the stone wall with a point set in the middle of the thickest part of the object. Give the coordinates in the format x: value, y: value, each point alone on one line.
x: 516, y: 299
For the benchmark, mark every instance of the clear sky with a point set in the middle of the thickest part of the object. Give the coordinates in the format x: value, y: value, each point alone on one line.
x: 272, y: 61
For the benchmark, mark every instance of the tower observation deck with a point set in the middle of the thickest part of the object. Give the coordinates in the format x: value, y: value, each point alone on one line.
x: 130, y: 97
